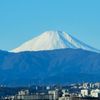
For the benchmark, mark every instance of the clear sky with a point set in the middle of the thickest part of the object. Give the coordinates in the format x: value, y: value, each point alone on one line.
x: 22, y: 20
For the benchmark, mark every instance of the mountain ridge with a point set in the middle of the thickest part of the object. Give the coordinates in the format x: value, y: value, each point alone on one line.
x: 51, y: 64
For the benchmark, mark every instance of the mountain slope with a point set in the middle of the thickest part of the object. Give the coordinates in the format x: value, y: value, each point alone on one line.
x: 43, y: 66
x: 50, y: 63
x: 51, y: 40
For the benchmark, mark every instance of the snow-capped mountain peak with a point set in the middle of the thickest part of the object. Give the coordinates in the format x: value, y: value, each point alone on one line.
x: 51, y: 40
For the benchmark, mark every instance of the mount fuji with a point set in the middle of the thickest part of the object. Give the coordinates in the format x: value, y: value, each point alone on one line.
x: 51, y: 40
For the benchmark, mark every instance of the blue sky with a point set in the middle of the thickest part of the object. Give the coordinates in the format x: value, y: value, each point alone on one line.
x: 22, y: 20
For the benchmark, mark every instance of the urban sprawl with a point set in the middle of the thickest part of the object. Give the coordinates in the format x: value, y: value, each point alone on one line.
x: 85, y: 91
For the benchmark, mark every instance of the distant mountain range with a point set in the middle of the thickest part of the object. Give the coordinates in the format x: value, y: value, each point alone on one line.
x: 52, y: 57
x: 48, y: 67
x: 51, y: 40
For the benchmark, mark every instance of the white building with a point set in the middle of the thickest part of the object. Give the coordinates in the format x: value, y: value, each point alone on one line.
x: 85, y: 85
x: 34, y: 97
x: 95, y: 93
x: 23, y: 92
x: 48, y: 87
x: 84, y: 92
x: 25, y: 95
x: 55, y: 93
x: 65, y: 96
x: 93, y: 85
x: 97, y: 85
x: 80, y: 87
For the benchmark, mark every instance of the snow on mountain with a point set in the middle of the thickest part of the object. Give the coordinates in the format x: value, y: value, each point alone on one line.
x: 51, y: 40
